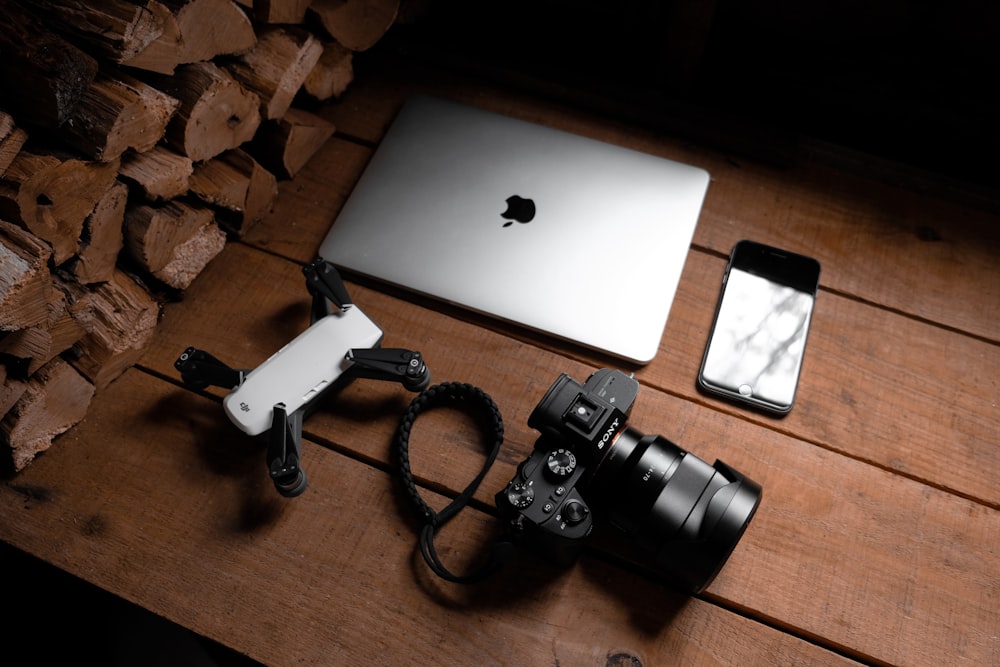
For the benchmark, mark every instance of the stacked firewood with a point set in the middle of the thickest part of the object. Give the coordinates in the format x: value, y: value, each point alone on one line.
x: 136, y: 137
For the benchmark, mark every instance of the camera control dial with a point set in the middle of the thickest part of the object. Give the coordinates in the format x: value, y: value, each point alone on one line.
x: 520, y: 495
x: 574, y: 512
x: 561, y: 463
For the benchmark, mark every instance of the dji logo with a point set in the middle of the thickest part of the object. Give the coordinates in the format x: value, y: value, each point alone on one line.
x: 244, y: 407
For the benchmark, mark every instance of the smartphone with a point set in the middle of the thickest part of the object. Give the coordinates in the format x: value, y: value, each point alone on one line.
x: 758, y: 337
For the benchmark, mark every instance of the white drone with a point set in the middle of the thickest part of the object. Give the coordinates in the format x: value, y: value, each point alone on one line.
x: 275, y: 397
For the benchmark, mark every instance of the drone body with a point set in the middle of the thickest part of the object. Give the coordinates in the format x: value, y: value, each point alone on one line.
x: 273, y: 399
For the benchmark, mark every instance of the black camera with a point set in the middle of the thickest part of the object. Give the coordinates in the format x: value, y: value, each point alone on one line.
x: 687, y: 514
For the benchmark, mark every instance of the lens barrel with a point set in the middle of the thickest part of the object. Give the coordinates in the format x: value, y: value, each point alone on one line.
x: 689, y: 514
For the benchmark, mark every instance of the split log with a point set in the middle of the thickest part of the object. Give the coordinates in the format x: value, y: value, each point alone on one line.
x: 12, y: 138
x: 238, y: 185
x: 112, y: 30
x: 55, y: 399
x: 216, y: 113
x: 334, y: 71
x: 118, y: 318
x: 159, y: 174
x: 357, y: 24
x: 194, y: 31
x: 102, y: 237
x: 279, y: 11
x: 276, y: 68
x: 211, y: 28
x: 286, y: 145
x: 31, y: 348
x: 11, y: 390
x: 173, y: 242
x: 52, y: 196
x: 25, y: 281
x: 117, y: 113
x: 42, y: 76
x: 163, y: 54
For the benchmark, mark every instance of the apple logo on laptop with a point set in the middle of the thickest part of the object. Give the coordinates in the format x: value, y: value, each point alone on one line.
x: 518, y: 208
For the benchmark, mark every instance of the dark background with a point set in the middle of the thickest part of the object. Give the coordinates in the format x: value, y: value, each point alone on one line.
x: 908, y: 83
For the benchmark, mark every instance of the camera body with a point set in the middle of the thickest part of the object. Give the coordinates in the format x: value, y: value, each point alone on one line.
x: 588, y: 466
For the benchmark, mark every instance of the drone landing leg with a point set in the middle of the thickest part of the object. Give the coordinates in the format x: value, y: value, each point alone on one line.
x: 284, y: 452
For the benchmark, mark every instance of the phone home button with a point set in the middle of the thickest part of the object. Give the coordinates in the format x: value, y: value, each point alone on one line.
x: 746, y: 390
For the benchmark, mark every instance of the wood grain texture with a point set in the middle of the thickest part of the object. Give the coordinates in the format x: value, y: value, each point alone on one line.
x: 820, y: 507
x: 875, y: 540
x: 308, y: 582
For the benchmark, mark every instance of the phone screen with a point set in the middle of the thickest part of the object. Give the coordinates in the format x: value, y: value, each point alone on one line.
x: 755, y: 350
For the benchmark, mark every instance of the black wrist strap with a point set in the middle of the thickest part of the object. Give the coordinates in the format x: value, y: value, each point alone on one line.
x: 474, y: 400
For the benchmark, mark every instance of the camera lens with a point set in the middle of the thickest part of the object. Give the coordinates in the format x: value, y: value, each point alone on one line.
x: 688, y: 513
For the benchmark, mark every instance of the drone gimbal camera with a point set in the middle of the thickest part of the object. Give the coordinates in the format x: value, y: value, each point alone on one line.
x: 275, y: 397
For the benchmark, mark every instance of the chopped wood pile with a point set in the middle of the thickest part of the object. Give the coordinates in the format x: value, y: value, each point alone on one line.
x: 136, y: 138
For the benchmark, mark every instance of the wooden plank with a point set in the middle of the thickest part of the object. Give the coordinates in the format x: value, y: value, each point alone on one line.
x: 898, y: 544
x: 330, y: 575
x: 861, y: 360
x: 875, y: 536
x: 860, y: 231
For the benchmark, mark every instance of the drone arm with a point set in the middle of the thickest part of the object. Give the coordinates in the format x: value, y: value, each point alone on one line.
x: 392, y: 364
x: 324, y: 283
x: 199, y: 369
x: 284, y: 452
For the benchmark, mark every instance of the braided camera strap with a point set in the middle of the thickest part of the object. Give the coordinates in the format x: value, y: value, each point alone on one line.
x: 478, y: 402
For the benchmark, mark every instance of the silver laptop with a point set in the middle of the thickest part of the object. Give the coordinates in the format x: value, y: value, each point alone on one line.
x: 559, y: 233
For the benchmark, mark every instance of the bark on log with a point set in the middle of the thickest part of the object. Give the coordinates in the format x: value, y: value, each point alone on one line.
x: 118, y: 112
x: 216, y: 113
x: 25, y: 281
x: 334, y: 71
x: 102, y: 237
x: 173, y: 242
x: 276, y: 68
x: 42, y: 76
x: 239, y: 185
x: 55, y: 399
x: 285, y: 146
x: 118, y: 318
x: 52, y: 196
x: 159, y: 174
x: 357, y: 24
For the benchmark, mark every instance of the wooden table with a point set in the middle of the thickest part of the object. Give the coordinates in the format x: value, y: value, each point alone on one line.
x: 876, y: 541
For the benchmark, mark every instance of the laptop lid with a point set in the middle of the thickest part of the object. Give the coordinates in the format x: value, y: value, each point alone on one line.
x: 560, y: 233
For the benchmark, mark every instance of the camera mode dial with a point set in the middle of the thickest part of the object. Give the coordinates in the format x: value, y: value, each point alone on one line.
x: 520, y: 495
x: 561, y: 463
